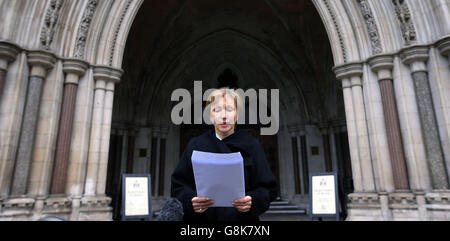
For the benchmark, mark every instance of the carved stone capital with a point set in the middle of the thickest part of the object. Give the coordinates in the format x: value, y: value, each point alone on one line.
x: 416, y: 56
x: 8, y: 53
x: 382, y: 65
x: 107, y: 74
x: 40, y: 61
x: 323, y: 127
x: 75, y: 66
x: 348, y: 71
x: 338, y: 125
x: 444, y: 46
x: 296, y: 129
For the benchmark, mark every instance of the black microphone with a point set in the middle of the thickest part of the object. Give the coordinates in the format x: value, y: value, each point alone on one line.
x: 171, y: 211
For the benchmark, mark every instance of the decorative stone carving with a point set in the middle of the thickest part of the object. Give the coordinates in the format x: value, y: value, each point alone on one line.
x: 40, y: 61
x: 436, y: 197
x: 116, y: 34
x: 75, y: 66
x: 364, y: 200
x: 406, y: 22
x: 95, y: 202
x: 51, y: 19
x: 8, y: 53
x: 18, y: 203
x: 348, y: 70
x: 444, y: 47
x: 57, y: 205
x: 338, y: 30
x: 374, y: 36
x: 402, y: 201
x: 107, y: 73
x: 84, y: 28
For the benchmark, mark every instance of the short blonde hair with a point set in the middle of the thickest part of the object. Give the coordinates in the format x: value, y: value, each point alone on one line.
x: 225, y: 92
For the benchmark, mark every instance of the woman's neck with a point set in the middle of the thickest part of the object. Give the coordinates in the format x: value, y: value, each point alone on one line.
x: 224, y: 135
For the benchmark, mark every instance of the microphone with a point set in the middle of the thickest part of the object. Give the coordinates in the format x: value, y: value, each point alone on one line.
x: 171, y: 211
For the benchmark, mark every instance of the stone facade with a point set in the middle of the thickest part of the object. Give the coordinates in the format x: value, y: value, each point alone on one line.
x: 62, y: 61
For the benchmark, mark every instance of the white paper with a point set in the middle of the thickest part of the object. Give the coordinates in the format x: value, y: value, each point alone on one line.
x: 219, y: 177
x: 324, y: 196
x: 136, y: 200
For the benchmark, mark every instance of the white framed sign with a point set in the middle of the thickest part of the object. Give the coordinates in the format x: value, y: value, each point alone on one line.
x: 324, y: 197
x: 136, y: 196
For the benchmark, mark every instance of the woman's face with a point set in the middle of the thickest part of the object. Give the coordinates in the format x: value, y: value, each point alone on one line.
x: 224, y: 114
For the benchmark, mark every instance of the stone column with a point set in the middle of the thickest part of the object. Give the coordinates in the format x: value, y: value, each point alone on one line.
x: 383, y: 65
x: 123, y: 161
x: 112, y: 77
x: 40, y: 62
x: 74, y: 69
x: 8, y: 53
x: 95, y: 137
x: 323, y: 127
x: 106, y: 134
x: 333, y: 150
x: 132, y: 132
x: 363, y: 136
x: 344, y: 73
x: 350, y: 75
x: 444, y: 47
x: 416, y: 57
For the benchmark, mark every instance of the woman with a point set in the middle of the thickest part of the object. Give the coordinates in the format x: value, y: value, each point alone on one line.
x: 260, y: 184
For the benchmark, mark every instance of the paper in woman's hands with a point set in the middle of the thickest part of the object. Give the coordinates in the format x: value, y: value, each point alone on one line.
x: 219, y: 176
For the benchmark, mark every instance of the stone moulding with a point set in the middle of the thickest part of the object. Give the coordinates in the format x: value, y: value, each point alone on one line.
x: 84, y: 29
x: 348, y: 70
x: 117, y: 30
x: 402, y: 201
x: 50, y: 23
x: 372, y: 27
x: 438, y: 197
x: 406, y: 22
x: 364, y: 200
x: 338, y: 30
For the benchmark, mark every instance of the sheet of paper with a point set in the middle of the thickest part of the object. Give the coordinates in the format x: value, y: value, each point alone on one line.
x: 219, y: 176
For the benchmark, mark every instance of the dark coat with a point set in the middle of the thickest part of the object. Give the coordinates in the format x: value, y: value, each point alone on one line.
x: 260, y: 183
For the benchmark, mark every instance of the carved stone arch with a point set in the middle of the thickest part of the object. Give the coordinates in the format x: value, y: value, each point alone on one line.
x: 52, y: 27
x: 70, y: 16
x: 425, y: 21
x: 111, y: 43
x: 443, y: 11
x: 344, y: 30
x: 383, y: 34
x: 26, y: 32
x: 405, y: 23
x: 113, y: 38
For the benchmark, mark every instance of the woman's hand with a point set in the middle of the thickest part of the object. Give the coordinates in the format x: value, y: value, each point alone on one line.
x: 201, y: 204
x: 244, y: 204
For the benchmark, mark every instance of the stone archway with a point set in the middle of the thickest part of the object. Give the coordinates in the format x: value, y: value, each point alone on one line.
x: 183, y: 67
x: 60, y: 62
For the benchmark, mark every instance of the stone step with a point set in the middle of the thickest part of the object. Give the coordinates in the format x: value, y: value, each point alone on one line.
x: 284, y: 211
x: 284, y: 207
x: 277, y: 203
x: 287, y: 212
